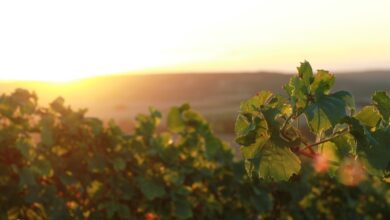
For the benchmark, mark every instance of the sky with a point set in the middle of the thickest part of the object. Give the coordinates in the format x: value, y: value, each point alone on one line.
x: 66, y: 40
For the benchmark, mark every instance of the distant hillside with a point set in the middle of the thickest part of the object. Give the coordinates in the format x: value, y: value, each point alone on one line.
x: 216, y: 95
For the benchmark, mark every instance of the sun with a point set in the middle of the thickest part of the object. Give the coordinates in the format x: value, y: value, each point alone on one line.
x: 51, y: 78
x: 56, y: 79
x: 41, y: 41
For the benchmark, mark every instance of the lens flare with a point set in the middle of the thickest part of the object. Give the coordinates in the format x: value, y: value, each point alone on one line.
x: 352, y: 172
x: 321, y: 163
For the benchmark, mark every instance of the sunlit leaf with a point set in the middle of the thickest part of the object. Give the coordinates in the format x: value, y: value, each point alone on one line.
x: 253, y: 104
x: 323, y: 82
x: 305, y: 72
x: 298, y: 92
x: 175, y: 120
x: 368, y: 116
x: 274, y: 162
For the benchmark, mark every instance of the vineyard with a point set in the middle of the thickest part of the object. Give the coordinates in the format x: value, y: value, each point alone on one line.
x: 58, y: 163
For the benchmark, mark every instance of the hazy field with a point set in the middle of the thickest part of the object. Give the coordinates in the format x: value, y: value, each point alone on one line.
x: 217, y: 96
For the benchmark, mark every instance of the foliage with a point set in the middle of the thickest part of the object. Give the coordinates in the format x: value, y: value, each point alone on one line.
x: 352, y: 147
x: 57, y: 163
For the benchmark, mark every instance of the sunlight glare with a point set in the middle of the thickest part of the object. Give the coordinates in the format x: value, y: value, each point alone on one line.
x: 52, y: 41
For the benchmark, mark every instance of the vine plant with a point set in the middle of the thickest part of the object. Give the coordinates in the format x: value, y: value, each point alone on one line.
x: 273, y: 143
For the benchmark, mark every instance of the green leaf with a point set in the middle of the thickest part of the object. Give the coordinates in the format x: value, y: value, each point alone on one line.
x: 348, y: 99
x: 253, y: 104
x: 150, y: 189
x: 261, y: 118
x: 372, y: 147
x: 377, y: 156
x: 213, y: 145
x: 359, y: 131
x: 298, y: 92
x: 249, y: 127
x: 369, y: 116
x: 183, y: 209
x: 175, y: 120
x: 273, y: 161
x: 305, y: 72
x: 252, y: 151
x: 346, y: 145
x: 382, y: 101
x: 323, y: 82
x: 326, y: 111
x: 250, y: 122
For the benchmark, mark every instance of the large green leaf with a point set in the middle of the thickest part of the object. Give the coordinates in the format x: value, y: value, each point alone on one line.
x: 327, y: 111
x: 273, y: 162
x: 252, y: 151
x: 258, y: 127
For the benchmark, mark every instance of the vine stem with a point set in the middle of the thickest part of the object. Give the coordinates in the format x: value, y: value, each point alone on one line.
x: 286, y: 122
x: 309, y: 147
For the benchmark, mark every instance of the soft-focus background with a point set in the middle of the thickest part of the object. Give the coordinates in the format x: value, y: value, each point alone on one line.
x: 217, y: 96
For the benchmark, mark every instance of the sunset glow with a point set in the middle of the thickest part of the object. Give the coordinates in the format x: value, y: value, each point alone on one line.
x: 44, y: 40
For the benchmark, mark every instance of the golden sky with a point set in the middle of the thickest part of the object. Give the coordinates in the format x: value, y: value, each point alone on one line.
x: 56, y: 41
